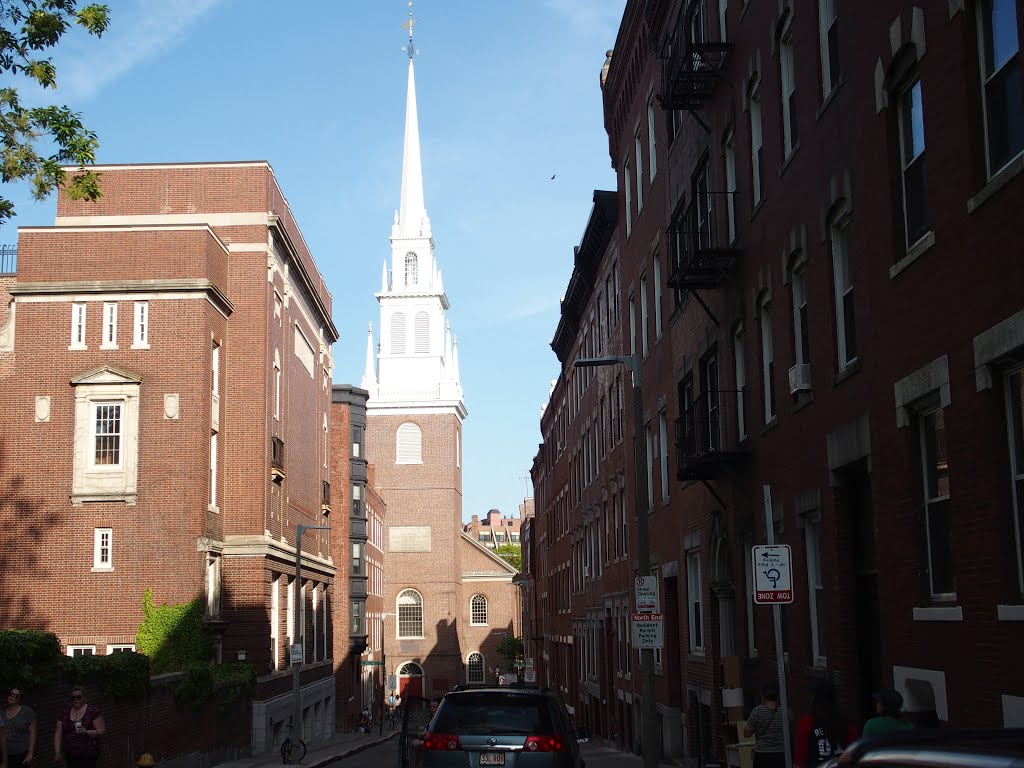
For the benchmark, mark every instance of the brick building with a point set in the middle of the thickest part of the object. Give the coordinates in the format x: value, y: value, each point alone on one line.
x: 165, y: 363
x: 447, y: 600
x: 495, y: 530
x: 800, y: 187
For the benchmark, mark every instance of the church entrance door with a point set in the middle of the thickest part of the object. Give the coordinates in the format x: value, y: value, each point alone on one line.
x: 410, y: 680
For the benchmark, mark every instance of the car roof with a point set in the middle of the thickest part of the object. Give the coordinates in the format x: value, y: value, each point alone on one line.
x: 1002, y: 748
x: 515, y: 688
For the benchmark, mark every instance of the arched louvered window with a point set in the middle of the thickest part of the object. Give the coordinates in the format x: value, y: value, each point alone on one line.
x: 409, y: 444
x: 412, y: 269
x: 422, y: 331
x: 398, y: 334
x: 410, y: 614
x: 475, y: 668
x: 478, y: 610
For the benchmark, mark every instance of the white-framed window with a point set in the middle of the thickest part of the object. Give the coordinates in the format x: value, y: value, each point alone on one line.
x: 412, y: 270
x: 652, y: 153
x: 289, y: 599
x: 815, y: 590
x: 77, y: 325
x: 627, y: 185
x: 649, y: 437
x: 767, y: 358
x: 140, y: 338
x: 478, y: 610
x: 213, y: 469
x: 358, y: 553
x: 790, y: 136
x: 107, y: 434
x: 212, y: 585
x: 703, y: 205
x: 740, y: 374
x: 109, y: 325
x: 828, y: 42
x: 277, y: 384
x: 801, y: 327
x: 121, y: 648
x: 103, y: 549
x: 938, y: 522
x: 302, y: 621
x: 632, y: 326
x: 663, y: 453
x: 913, y: 172
x: 645, y: 347
x: 316, y: 617
x: 723, y: 31
x: 410, y: 614
x: 324, y: 622
x: 656, y: 267
x: 1003, y: 110
x: 638, y: 152
x: 695, y: 612
x: 756, y: 143
x: 408, y: 444
x: 842, y: 278
x: 398, y: 333
x: 729, y: 151
x: 475, y: 668
x: 81, y: 650
x: 421, y: 332
x: 275, y: 623
x: 709, y: 390
x: 1014, y: 389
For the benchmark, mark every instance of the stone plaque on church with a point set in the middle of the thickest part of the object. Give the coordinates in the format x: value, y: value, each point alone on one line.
x: 412, y: 538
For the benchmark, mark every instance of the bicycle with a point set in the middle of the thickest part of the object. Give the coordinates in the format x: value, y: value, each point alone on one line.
x: 392, y: 718
x: 292, y: 750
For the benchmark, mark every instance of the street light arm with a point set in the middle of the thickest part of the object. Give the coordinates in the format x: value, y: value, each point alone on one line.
x: 632, y: 363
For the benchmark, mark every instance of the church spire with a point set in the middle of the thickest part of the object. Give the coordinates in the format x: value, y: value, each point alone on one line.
x: 412, y: 216
x: 370, y: 372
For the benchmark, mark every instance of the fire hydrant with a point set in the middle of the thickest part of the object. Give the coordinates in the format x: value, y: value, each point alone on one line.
x: 145, y: 761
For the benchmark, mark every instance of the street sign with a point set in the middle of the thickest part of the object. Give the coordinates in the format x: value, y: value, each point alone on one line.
x: 647, y: 598
x: 648, y: 630
x: 392, y: 683
x: 773, y: 575
x: 519, y: 665
x: 296, y: 654
x: 530, y: 675
x: 366, y: 663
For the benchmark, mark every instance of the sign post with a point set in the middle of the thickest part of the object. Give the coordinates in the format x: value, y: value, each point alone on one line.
x: 773, y: 584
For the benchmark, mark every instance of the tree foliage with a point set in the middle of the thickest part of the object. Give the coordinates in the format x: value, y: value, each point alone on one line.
x: 172, y: 636
x: 28, y: 29
x: 511, y: 554
x: 511, y: 649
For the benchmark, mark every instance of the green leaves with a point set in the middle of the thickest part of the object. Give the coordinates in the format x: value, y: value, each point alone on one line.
x: 172, y: 636
x: 27, y: 27
x: 511, y: 554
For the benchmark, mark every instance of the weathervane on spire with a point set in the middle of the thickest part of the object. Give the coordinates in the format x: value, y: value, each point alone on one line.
x: 410, y: 48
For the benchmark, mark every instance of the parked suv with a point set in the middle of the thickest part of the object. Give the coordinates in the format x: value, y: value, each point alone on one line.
x: 507, y: 726
x: 919, y: 748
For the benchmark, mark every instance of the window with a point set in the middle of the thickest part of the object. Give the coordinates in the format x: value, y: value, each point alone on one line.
x: 410, y: 614
x: 357, y: 626
x: 140, y: 340
x: 324, y: 622
x: 398, y: 334
x: 357, y: 441
x: 790, y: 136
x: 316, y: 616
x: 1015, y: 421
x: 632, y: 326
x: 212, y: 585
x: 625, y: 521
x: 756, y: 144
x: 644, y: 336
x: 712, y: 415
x: 109, y: 325
x: 277, y: 384
x: 846, y: 326
x: 124, y: 648
x: 106, y: 434
x: 289, y: 628
x: 411, y: 269
x: 638, y: 151
x: 815, y: 590
x: 729, y: 150
x: 652, y: 155
x: 723, y: 7
x: 695, y: 615
x: 828, y: 41
x: 357, y: 501
x: 649, y: 437
x: 213, y: 469
x: 914, y: 173
x: 767, y: 359
x: 409, y: 444
x: 663, y: 453
x: 275, y: 622
x: 999, y: 46
x: 703, y: 205
x: 357, y: 558
x: 741, y: 382
x: 475, y: 668
x: 627, y: 185
x: 102, y: 554
x: 801, y: 340
x: 938, y: 525
x: 81, y: 650
x: 421, y: 330
x: 478, y: 610
x: 78, y: 325
x: 656, y: 267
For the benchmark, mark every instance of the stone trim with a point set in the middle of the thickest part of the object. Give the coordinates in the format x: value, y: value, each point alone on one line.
x: 924, y: 381
x: 939, y: 613
x: 997, y: 343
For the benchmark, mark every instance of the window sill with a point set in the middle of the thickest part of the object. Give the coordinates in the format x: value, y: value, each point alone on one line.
x: 803, y: 399
x: 996, y: 183
x: 848, y: 370
x: 789, y: 159
x: 939, y: 613
x: 818, y: 671
x: 77, y: 499
x: 140, y: 346
x: 757, y: 207
x: 213, y: 508
x: 916, y: 251
x: 77, y: 348
x: 109, y: 346
x: 828, y: 99
x: 770, y: 425
x: 102, y: 569
x: 1010, y: 612
x: 696, y: 656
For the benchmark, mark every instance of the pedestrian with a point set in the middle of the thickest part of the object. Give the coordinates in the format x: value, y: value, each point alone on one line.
x: 3, y: 749
x: 823, y: 732
x: 76, y: 737
x: 888, y: 703
x: 765, y: 725
x: 18, y: 723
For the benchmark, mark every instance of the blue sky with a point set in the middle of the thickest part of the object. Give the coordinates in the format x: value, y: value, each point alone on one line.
x: 508, y: 96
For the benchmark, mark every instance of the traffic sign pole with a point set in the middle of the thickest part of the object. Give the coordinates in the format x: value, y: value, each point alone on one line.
x: 780, y: 656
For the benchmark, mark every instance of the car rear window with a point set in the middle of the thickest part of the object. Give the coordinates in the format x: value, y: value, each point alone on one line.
x: 494, y: 713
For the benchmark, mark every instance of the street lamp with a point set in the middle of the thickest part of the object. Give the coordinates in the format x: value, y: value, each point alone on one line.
x: 297, y: 667
x: 648, y: 706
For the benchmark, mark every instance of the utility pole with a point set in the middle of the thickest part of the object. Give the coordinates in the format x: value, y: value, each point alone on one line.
x: 297, y: 638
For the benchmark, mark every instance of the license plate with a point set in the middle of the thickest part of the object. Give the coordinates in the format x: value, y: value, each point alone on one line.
x: 492, y: 758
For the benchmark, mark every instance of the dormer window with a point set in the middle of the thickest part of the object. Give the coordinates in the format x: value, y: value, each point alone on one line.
x: 411, y: 269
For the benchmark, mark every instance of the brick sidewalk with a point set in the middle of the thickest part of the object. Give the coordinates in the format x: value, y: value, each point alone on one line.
x: 342, y: 746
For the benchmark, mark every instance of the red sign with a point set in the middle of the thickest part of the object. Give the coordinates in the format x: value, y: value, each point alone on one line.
x: 774, y: 596
x: 648, y: 616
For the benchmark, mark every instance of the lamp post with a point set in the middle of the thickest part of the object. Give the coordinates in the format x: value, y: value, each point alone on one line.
x: 297, y: 668
x: 648, y: 705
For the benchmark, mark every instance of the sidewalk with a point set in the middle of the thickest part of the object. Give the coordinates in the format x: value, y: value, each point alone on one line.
x: 343, y: 745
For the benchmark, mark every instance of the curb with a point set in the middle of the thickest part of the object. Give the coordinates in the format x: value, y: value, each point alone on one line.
x: 354, y: 750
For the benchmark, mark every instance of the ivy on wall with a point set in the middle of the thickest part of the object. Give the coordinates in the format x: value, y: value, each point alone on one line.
x: 172, y: 636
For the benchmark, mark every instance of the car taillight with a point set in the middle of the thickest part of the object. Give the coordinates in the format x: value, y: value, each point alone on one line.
x: 442, y: 742
x: 544, y: 744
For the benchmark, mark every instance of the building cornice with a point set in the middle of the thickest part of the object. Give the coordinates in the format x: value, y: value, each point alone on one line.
x: 86, y: 287
x: 266, y: 547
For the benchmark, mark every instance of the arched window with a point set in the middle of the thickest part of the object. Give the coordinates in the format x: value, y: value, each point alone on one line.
x: 410, y: 614
x: 421, y: 330
x: 409, y: 444
x: 475, y: 668
x: 398, y: 334
x: 411, y: 269
x: 478, y: 610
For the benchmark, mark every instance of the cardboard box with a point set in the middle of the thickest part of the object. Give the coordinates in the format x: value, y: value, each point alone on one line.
x: 735, y: 714
x: 740, y: 755
x: 732, y: 672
